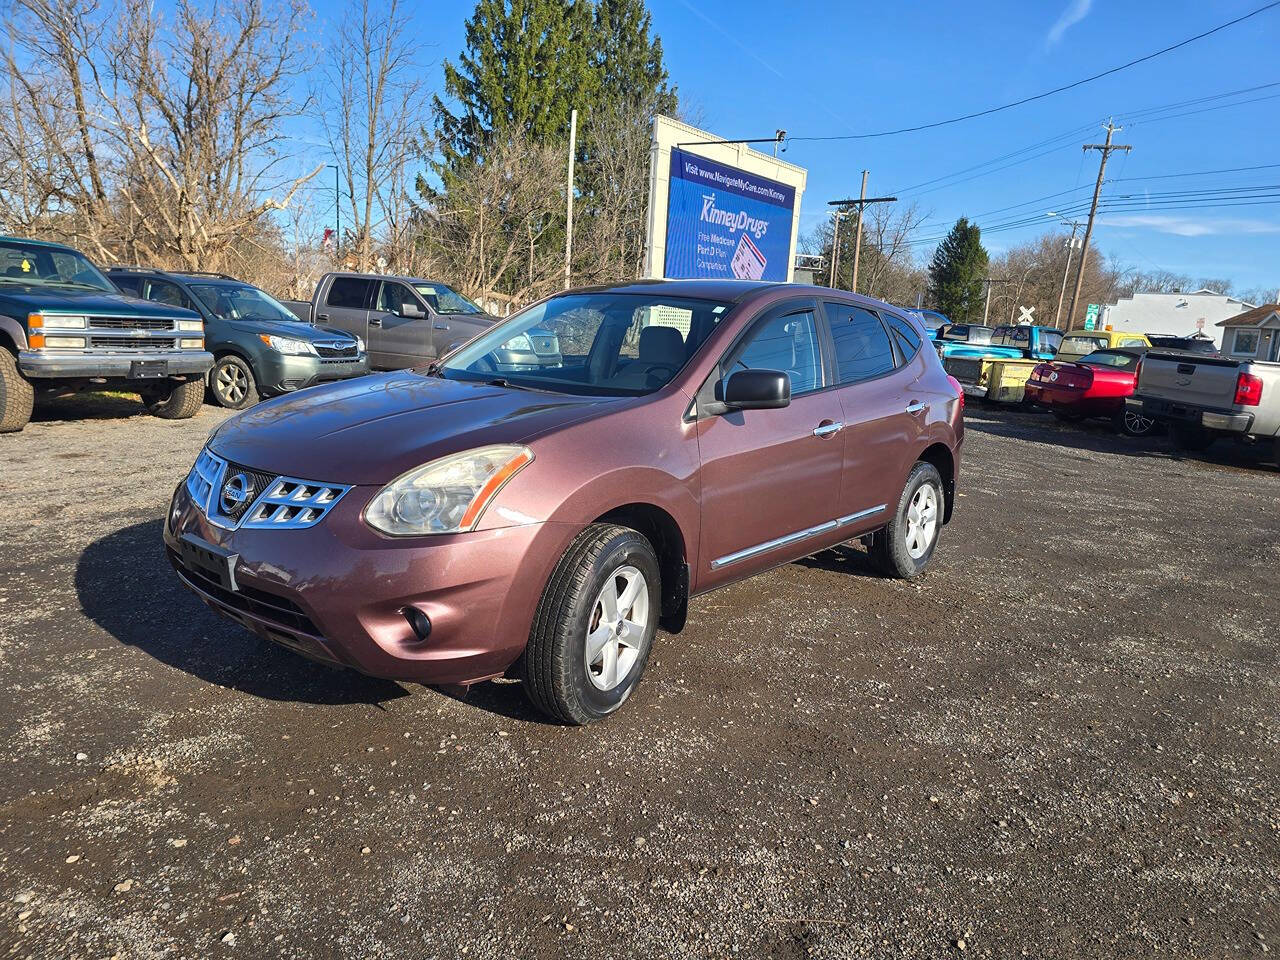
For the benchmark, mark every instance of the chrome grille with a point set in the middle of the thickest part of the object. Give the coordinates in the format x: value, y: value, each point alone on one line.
x: 275, y: 502
x: 291, y: 503
x: 134, y: 343
x: 336, y: 349
x: 128, y: 323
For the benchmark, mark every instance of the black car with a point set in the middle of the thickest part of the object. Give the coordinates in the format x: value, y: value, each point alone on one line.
x: 260, y: 348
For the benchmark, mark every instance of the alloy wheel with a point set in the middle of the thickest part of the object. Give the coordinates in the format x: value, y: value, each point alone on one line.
x: 1136, y: 425
x: 616, y: 630
x: 230, y: 383
x: 922, y: 521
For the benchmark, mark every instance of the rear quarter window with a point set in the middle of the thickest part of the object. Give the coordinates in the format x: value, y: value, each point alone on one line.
x: 906, y: 336
x: 350, y: 292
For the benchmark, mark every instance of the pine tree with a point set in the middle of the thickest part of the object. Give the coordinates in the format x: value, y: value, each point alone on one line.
x: 957, y: 272
x: 526, y: 64
x: 628, y: 63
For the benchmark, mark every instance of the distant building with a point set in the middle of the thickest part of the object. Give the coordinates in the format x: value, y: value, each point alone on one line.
x: 1177, y: 314
x: 1254, y: 334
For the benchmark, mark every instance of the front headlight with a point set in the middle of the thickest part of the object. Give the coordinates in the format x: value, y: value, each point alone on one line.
x: 519, y: 342
x: 359, y: 344
x: 446, y: 495
x: 288, y: 345
x: 191, y: 326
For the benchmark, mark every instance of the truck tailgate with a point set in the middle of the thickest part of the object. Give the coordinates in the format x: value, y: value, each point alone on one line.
x: 1204, y: 381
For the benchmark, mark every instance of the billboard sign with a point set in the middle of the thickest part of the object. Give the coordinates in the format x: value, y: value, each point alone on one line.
x: 725, y: 222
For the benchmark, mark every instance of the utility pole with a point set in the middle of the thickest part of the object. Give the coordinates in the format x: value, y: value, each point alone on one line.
x: 1105, y: 149
x: 568, y: 232
x: 841, y: 205
x: 778, y: 137
x: 1066, y: 267
x: 990, y: 282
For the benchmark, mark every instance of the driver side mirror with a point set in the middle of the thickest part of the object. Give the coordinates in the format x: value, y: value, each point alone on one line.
x: 755, y: 390
x: 411, y: 311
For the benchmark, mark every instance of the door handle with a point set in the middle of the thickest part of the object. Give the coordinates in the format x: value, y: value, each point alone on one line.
x: 828, y: 429
x: 441, y: 326
x: 916, y: 406
x: 322, y: 316
x: 375, y: 321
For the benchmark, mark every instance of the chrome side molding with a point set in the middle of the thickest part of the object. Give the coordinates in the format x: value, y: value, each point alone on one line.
x: 796, y: 537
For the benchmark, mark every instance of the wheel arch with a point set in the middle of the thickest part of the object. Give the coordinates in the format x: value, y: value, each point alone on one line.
x: 940, y: 455
x: 12, y: 336
x: 662, y: 531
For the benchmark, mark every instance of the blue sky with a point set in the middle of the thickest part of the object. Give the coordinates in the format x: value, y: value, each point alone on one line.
x: 824, y: 68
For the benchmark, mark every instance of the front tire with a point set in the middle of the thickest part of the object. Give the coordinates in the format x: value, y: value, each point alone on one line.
x: 594, y: 626
x: 17, y: 396
x: 903, y: 548
x: 179, y: 401
x: 232, y: 383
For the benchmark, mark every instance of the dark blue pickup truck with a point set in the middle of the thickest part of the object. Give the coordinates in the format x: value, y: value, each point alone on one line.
x: 65, y: 327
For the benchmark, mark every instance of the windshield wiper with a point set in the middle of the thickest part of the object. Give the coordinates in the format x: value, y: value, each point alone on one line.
x: 503, y: 382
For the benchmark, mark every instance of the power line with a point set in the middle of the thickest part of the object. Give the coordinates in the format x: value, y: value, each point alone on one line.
x: 1025, y: 100
x: 1197, y: 173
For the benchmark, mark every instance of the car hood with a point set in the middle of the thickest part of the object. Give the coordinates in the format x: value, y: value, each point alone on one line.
x: 32, y: 298
x: 298, y: 330
x: 372, y: 429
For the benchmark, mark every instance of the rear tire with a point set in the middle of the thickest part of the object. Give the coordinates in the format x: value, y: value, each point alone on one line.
x: 17, y: 396
x: 179, y: 401
x: 232, y: 383
x: 1133, y: 424
x: 1190, y: 438
x: 586, y: 652
x: 903, y: 548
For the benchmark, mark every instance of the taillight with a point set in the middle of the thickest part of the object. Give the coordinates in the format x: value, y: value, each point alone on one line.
x: 1248, y: 390
x: 958, y: 389
x: 1137, y: 371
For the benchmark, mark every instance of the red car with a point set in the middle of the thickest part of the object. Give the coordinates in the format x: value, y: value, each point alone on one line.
x: 1093, y: 386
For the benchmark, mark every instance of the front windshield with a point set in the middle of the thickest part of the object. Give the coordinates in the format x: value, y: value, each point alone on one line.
x: 239, y: 301
x: 444, y: 299
x: 602, y: 344
x: 1080, y: 345
x: 29, y: 263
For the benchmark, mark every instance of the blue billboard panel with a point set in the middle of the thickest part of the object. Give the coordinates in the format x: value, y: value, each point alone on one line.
x: 723, y: 222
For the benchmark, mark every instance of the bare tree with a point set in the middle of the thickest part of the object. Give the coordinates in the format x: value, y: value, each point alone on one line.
x: 488, y: 230
x: 372, y: 111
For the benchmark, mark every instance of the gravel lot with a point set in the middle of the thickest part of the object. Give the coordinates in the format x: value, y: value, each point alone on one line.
x: 1063, y: 741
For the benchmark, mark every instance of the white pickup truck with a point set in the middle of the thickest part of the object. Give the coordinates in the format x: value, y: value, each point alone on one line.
x: 1203, y: 398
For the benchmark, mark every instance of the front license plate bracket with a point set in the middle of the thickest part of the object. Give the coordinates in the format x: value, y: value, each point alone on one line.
x: 216, y: 563
x: 148, y: 369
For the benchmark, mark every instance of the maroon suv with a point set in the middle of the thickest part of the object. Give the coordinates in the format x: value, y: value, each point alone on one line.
x: 459, y: 522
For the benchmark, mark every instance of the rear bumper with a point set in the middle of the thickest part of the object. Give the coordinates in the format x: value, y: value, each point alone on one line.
x: 1074, y: 401
x: 973, y: 389
x: 1157, y: 408
x: 117, y: 366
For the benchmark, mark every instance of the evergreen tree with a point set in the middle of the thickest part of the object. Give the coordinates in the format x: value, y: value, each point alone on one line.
x: 957, y: 272
x: 629, y: 64
x: 526, y: 64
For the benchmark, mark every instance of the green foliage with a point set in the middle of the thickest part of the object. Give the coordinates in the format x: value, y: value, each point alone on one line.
x: 956, y: 273
x: 528, y: 63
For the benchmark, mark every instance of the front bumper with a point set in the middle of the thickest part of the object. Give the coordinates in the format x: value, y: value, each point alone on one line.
x: 35, y: 364
x: 337, y: 592
x: 284, y: 373
x: 1157, y: 408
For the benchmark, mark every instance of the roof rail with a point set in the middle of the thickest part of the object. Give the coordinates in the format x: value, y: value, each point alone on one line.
x: 201, y: 273
x: 132, y: 268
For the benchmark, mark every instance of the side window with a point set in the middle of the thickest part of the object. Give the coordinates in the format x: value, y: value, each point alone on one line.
x: 1131, y: 342
x: 788, y: 343
x: 1004, y: 336
x: 393, y: 296
x: 130, y: 285
x: 862, y: 346
x: 1021, y: 335
x: 348, y: 292
x: 162, y: 291
x: 1050, y: 341
x: 906, y: 335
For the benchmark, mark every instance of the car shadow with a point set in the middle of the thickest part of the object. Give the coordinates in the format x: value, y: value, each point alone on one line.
x: 108, y: 405
x: 1097, y: 436
x: 843, y: 558
x: 126, y: 586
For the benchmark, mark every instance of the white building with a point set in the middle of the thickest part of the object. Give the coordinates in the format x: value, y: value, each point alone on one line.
x: 1176, y: 314
x: 1253, y: 335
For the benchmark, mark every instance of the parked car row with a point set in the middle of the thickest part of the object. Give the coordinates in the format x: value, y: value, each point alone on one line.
x: 178, y: 338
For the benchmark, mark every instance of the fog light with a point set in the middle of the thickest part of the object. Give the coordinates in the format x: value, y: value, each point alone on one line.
x: 64, y: 343
x: 419, y: 622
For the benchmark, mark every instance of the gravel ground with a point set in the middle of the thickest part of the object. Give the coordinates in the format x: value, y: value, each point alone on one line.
x: 1062, y: 741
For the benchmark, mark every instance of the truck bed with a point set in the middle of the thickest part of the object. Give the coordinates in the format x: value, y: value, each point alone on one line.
x: 1202, y: 390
